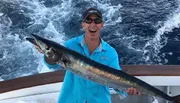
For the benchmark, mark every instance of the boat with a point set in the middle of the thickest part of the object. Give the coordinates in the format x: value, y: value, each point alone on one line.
x: 45, y: 87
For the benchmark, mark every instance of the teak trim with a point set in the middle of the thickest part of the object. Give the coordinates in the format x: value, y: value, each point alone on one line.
x: 58, y: 76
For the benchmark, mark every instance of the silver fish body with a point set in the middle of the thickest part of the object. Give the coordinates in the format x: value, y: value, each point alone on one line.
x: 95, y: 71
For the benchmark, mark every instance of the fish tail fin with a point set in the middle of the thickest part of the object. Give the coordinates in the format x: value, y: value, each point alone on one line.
x: 176, y: 99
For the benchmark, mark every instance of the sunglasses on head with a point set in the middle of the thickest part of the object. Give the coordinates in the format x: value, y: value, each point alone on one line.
x: 96, y: 20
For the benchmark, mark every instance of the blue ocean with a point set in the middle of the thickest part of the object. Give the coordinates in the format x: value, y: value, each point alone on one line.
x: 141, y: 31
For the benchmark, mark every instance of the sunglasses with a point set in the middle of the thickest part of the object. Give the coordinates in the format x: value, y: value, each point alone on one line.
x: 96, y: 20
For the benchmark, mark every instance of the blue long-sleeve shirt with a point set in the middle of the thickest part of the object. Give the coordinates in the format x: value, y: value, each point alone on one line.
x: 76, y: 89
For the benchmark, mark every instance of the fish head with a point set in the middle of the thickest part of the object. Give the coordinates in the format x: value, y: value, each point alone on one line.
x: 49, y: 48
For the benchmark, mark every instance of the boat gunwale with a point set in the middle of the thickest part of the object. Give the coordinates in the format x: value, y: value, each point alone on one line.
x: 58, y: 76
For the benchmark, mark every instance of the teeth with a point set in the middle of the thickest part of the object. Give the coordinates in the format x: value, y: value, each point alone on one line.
x: 92, y: 31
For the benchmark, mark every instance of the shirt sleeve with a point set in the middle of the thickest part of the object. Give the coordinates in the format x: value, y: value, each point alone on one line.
x: 115, y: 62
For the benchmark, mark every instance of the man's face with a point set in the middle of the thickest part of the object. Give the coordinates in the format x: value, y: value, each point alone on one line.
x: 92, y: 26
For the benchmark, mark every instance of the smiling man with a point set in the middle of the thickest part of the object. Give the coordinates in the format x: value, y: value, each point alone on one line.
x: 79, y: 90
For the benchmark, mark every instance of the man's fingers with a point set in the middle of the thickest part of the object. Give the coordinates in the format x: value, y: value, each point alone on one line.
x: 132, y: 91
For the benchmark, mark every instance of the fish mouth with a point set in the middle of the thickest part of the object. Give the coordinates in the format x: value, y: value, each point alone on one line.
x: 38, y: 41
x: 31, y: 40
x: 50, y: 48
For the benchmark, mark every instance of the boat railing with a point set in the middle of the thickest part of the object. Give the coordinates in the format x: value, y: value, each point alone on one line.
x: 58, y: 76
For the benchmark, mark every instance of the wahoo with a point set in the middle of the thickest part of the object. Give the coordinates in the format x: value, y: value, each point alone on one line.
x: 95, y: 71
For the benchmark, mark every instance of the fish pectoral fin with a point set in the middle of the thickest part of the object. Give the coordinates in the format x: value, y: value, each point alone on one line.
x: 65, y: 59
x: 121, y: 93
x: 155, y: 100
x: 62, y: 65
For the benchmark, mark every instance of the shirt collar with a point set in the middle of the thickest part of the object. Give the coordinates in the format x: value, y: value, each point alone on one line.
x: 102, y: 46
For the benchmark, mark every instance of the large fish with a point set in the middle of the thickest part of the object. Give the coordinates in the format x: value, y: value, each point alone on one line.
x: 95, y: 71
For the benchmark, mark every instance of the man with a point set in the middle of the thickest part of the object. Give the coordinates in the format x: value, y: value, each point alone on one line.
x: 79, y: 90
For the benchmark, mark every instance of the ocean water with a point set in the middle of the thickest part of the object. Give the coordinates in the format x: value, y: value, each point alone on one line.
x: 142, y: 31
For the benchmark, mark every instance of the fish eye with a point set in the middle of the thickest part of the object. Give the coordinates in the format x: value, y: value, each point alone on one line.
x: 47, y: 48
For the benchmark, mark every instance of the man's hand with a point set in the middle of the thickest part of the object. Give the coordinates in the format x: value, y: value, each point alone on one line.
x: 48, y: 60
x: 132, y: 91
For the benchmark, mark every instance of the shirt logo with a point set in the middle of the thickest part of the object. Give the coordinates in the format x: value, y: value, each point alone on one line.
x: 103, y: 58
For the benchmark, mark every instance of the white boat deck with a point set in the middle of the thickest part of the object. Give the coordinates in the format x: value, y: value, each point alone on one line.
x: 49, y: 93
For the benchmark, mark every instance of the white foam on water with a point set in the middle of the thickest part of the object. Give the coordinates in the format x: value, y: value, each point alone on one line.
x: 52, y: 19
x: 1, y: 14
x: 173, y: 21
x: 48, y: 17
x: 1, y: 79
x: 159, y: 41
x: 111, y: 12
x: 5, y: 23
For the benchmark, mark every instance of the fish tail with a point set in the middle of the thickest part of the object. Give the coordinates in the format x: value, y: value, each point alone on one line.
x: 176, y: 99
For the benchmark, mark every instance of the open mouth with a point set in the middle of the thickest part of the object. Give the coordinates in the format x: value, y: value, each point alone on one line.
x: 92, y: 31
